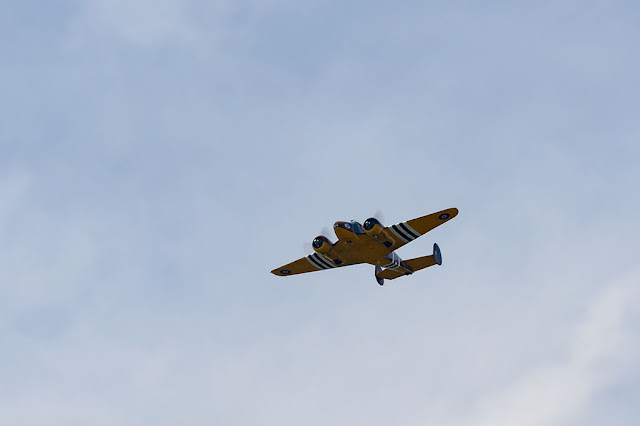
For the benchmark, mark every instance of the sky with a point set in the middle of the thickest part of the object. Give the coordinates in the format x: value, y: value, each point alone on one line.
x: 159, y: 158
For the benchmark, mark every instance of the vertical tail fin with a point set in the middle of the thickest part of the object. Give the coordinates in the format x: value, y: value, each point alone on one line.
x: 378, y: 270
x: 437, y: 255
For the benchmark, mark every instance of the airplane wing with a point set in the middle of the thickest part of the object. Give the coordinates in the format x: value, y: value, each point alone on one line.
x: 405, y: 232
x: 311, y: 263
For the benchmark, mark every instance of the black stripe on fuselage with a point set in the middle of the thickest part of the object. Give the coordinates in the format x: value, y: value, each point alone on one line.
x: 405, y: 228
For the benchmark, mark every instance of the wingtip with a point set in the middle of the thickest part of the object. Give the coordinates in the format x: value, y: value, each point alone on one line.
x: 281, y: 272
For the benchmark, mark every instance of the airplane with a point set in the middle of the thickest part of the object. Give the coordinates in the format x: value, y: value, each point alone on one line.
x: 371, y: 243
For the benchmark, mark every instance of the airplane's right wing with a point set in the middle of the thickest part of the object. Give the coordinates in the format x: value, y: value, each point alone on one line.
x: 311, y: 263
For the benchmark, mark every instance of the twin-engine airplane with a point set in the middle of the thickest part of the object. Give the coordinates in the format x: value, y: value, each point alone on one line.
x: 374, y: 244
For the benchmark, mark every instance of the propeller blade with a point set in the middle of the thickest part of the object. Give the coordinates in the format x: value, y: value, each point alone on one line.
x: 327, y: 232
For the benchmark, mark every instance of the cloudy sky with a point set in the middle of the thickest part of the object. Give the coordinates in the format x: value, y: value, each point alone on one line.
x: 159, y: 158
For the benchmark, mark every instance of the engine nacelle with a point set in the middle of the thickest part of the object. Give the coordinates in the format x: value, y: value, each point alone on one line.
x: 321, y: 244
x: 372, y: 226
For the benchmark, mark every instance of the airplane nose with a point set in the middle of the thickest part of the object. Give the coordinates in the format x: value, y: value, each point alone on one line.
x: 344, y: 231
x: 343, y: 225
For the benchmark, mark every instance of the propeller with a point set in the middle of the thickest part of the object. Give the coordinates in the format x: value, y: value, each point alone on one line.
x: 379, y: 215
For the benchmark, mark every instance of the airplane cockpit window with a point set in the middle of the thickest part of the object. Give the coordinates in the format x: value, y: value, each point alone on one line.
x: 357, y: 228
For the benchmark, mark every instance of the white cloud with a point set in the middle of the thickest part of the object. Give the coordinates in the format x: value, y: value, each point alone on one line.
x: 558, y: 393
x: 135, y: 277
x: 156, y: 23
x: 43, y: 256
x: 140, y: 23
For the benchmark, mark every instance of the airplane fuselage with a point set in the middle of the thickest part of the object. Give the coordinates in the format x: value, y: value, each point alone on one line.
x: 355, y: 246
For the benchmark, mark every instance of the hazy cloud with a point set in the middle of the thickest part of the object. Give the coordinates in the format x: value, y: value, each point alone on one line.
x: 160, y: 158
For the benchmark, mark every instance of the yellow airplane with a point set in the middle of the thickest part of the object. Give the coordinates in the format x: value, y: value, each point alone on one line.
x: 374, y: 244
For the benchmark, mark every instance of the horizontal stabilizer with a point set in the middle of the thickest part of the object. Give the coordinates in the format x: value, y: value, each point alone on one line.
x: 421, y: 262
x: 390, y: 274
x: 414, y: 264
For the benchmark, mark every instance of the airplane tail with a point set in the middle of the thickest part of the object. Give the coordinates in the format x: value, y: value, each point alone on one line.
x: 426, y: 261
x: 413, y: 264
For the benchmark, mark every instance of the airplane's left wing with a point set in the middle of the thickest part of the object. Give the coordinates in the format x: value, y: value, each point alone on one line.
x: 311, y: 263
x: 405, y: 232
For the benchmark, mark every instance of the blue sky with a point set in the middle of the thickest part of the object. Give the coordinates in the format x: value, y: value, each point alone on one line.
x: 160, y: 158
